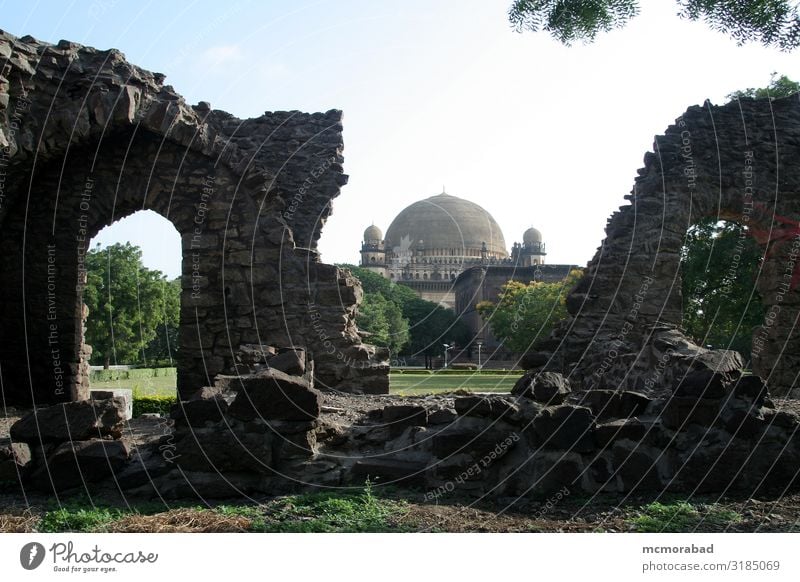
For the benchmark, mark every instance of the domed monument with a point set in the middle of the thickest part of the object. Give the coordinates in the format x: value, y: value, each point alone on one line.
x: 432, y: 241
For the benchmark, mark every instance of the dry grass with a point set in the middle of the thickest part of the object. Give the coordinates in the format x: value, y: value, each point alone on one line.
x: 23, y: 521
x: 181, y: 521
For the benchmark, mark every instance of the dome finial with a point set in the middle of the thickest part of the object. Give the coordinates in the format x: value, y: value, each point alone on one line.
x: 444, y: 190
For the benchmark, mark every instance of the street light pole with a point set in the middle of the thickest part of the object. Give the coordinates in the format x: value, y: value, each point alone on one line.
x: 479, y: 343
x: 447, y: 348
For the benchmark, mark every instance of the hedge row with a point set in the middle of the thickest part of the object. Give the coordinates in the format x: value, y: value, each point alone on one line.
x: 451, y: 372
x: 159, y: 404
x: 132, y: 374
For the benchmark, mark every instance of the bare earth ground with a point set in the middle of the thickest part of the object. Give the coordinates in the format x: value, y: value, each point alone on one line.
x: 411, y: 512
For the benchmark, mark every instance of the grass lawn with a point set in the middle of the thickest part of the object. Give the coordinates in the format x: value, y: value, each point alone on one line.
x: 416, y: 384
x: 400, y: 384
x: 158, y: 386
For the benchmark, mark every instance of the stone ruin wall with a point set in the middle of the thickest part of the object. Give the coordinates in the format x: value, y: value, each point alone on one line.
x: 736, y: 162
x: 702, y: 426
x: 86, y: 138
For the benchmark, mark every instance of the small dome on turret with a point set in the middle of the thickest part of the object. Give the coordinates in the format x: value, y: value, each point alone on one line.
x: 532, y: 236
x: 373, y: 233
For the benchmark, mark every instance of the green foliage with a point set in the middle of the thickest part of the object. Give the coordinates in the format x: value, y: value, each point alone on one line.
x: 524, y: 313
x: 778, y: 87
x: 415, y: 326
x: 153, y: 403
x: 333, y: 512
x: 380, y: 311
x: 769, y: 22
x: 431, y: 326
x: 77, y: 518
x: 131, y: 374
x: 127, y: 303
x: 164, y: 346
x: 719, y: 266
x: 681, y: 517
x: 571, y: 20
x: 384, y: 320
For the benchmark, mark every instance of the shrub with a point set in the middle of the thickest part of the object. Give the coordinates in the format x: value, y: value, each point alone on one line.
x: 154, y: 403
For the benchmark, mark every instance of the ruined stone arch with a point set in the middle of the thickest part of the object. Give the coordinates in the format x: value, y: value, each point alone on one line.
x: 734, y: 162
x: 89, y: 138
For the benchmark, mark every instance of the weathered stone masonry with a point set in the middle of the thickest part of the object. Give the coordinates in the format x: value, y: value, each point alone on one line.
x: 86, y: 138
x: 735, y: 162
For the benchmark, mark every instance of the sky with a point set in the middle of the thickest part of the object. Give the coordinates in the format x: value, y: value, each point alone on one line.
x: 435, y: 94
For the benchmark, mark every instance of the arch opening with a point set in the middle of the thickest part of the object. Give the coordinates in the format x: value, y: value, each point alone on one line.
x: 133, y: 296
x: 720, y: 267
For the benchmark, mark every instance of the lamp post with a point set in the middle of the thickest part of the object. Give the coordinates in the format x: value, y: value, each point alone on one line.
x: 447, y: 348
x: 479, y: 344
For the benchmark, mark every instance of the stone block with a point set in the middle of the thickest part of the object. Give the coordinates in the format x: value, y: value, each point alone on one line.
x: 565, y: 428
x: 75, y: 463
x: 222, y: 450
x: 15, y: 460
x: 399, y: 417
x: 198, y: 412
x: 274, y: 395
x: 680, y: 412
x: 625, y: 428
x: 75, y: 421
x: 609, y: 404
x: 289, y: 360
x: 638, y: 466
x: 125, y: 393
x: 444, y: 416
x: 549, y: 388
x: 485, y: 407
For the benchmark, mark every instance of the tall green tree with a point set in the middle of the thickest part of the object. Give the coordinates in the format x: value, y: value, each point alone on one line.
x: 384, y: 320
x: 428, y: 324
x: 126, y: 304
x: 772, y: 23
x: 526, y: 313
x: 719, y: 266
x: 431, y: 326
x: 164, y: 347
x: 380, y: 312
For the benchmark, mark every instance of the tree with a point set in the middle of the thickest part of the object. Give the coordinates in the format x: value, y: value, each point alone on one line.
x: 430, y: 326
x: 778, y: 87
x: 771, y: 22
x: 164, y: 347
x: 384, y: 320
x: 126, y: 303
x: 719, y: 266
x: 380, y: 312
x: 526, y: 313
x: 427, y: 325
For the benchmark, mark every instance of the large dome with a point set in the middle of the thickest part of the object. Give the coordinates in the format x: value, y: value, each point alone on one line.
x: 446, y: 222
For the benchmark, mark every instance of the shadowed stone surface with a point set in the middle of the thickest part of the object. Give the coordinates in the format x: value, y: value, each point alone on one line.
x: 74, y: 463
x: 273, y: 394
x: 75, y: 421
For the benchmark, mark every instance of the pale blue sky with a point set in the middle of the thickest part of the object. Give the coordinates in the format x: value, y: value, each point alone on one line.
x: 433, y: 93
